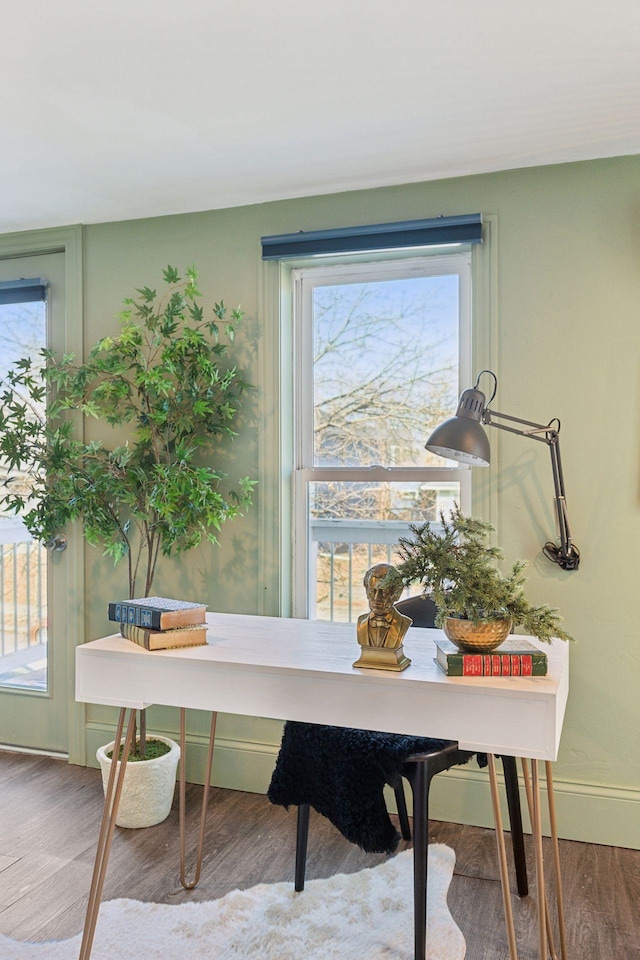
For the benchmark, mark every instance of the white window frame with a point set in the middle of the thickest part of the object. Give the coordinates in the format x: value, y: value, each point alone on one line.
x: 304, y: 280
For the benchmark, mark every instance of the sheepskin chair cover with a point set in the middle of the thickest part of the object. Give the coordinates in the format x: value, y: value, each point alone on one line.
x: 341, y: 773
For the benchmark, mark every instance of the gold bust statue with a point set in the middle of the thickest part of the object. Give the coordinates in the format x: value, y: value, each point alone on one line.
x: 381, y: 631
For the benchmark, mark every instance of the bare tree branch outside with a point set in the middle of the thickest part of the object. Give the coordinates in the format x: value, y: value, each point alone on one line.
x: 385, y: 373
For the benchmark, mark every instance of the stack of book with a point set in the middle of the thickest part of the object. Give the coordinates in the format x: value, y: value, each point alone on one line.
x: 515, y: 657
x: 158, y: 623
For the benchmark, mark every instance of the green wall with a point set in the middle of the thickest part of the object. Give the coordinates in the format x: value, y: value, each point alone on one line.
x: 566, y: 257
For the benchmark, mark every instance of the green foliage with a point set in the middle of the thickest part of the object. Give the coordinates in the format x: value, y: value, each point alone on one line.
x: 458, y: 569
x: 153, y: 750
x: 164, y: 380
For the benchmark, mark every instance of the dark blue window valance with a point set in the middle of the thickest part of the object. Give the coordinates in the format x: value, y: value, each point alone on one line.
x: 377, y: 236
x: 23, y: 291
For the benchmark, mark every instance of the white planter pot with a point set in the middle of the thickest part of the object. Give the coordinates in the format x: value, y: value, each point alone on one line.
x: 147, y: 791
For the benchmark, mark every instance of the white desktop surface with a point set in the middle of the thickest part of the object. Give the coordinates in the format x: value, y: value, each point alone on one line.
x: 289, y: 669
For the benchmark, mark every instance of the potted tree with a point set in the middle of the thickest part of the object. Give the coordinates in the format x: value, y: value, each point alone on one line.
x: 162, y: 394
x: 477, y: 604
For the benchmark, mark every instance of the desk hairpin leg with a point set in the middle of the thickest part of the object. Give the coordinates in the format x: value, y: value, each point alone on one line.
x: 532, y: 787
x: 109, y: 814
x: 556, y: 859
x: 190, y: 884
x: 502, y: 859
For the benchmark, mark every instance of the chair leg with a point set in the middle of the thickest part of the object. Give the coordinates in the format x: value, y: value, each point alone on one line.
x: 401, y: 804
x: 515, y: 820
x: 420, y: 780
x: 302, y: 836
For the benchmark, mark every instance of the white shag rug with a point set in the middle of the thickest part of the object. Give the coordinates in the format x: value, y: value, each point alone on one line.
x: 346, y: 917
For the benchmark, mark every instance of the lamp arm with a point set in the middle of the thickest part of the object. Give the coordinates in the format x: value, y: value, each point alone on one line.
x: 536, y: 431
x: 567, y: 554
x: 567, y: 548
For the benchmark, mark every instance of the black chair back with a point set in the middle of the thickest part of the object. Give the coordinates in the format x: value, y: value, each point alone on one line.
x: 422, y: 611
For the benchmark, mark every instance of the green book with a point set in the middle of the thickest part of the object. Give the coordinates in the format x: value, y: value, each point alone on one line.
x: 515, y: 657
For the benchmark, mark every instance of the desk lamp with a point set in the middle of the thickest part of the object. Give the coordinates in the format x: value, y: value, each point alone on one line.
x: 463, y: 438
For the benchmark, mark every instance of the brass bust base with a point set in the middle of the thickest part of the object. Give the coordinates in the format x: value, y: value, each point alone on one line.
x: 382, y: 658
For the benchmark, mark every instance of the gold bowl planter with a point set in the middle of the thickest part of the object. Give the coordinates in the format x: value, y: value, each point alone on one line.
x: 476, y: 637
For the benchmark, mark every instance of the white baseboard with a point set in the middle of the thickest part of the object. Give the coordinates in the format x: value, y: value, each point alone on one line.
x: 237, y: 764
x: 587, y: 812
x: 591, y: 813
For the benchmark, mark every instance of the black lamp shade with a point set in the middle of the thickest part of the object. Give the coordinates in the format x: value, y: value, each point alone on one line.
x: 462, y: 437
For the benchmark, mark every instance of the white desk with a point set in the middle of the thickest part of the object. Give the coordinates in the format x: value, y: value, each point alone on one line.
x: 302, y: 670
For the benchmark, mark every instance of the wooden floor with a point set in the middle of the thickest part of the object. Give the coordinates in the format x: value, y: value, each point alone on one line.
x: 49, y: 825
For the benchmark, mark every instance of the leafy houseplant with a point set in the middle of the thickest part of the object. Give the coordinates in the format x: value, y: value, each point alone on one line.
x: 458, y: 569
x: 163, y: 396
x: 163, y: 381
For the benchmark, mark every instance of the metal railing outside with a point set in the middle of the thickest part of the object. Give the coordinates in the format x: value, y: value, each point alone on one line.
x: 342, y: 552
x: 23, y: 596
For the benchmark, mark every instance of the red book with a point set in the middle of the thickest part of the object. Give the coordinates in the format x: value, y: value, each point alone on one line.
x: 516, y: 657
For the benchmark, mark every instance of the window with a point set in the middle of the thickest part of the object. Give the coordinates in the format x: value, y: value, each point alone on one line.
x: 380, y: 351
x: 23, y: 562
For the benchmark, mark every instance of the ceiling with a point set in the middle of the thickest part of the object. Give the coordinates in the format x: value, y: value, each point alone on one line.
x: 116, y: 109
